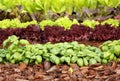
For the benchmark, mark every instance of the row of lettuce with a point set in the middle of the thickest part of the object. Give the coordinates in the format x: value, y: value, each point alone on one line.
x: 55, y: 34
x: 16, y: 51
x: 63, y: 22
x: 52, y: 9
x: 57, y: 6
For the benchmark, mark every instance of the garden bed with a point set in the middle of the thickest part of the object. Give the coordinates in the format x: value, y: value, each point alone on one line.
x: 60, y: 40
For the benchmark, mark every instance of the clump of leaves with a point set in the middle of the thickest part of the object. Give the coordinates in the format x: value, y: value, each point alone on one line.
x: 90, y: 23
x: 112, y: 22
x: 45, y: 23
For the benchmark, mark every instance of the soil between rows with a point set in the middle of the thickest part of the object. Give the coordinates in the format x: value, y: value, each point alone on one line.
x: 92, y: 43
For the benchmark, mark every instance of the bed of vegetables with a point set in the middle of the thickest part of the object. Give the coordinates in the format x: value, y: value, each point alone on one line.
x: 59, y: 40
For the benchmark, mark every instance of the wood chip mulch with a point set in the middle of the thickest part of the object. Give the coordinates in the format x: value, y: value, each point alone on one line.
x: 49, y: 72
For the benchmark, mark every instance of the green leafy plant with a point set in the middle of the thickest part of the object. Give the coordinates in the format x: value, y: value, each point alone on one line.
x: 90, y: 23
x: 58, y: 6
x: 42, y: 5
x: 9, y: 5
x: 45, y: 23
x: 113, y: 22
x: 7, y: 23
x: 16, y: 51
x: 65, y: 22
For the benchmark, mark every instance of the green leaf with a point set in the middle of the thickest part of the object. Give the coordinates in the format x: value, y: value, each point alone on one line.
x: 92, y: 61
x: 1, y: 59
x: 24, y: 42
x: 58, y: 6
x: 54, y: 59
x: 67, y: 60
x: 62, y: 59
x: 80, y: 62
x: 104, y: 61
x: 112, y: 22
x: 38, y: 59
x: 85, y: 61
x: 26, y: 61
x: 90, y: 23
x: 74, y: 59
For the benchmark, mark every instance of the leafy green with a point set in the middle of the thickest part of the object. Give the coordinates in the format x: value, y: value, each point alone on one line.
x: 45, y: 23
x: 113, y: 22
x: 65, y: 22
x: 7, y: 23
x: 16, y: 51
x: 58, y: 6
x: 90, y: 23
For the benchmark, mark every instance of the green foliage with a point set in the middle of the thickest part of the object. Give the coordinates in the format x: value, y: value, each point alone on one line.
x: 7, y: 23
x: 113, y: 22
x: 63, y: 22
x: 28, y: 6
x: 57, y: 6
x: 90, y: 23
x: 45, y: 23
x: 16, y: 51
x: 42, y: 5
x: 9, y: 5
x: 111, y: 50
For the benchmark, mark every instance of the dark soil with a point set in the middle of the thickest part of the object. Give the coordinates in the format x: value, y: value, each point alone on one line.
x: 49, y: 72
x: 92, y: 43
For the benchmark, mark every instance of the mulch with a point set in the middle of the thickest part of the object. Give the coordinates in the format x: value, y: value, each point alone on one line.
x: 51, y: 72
